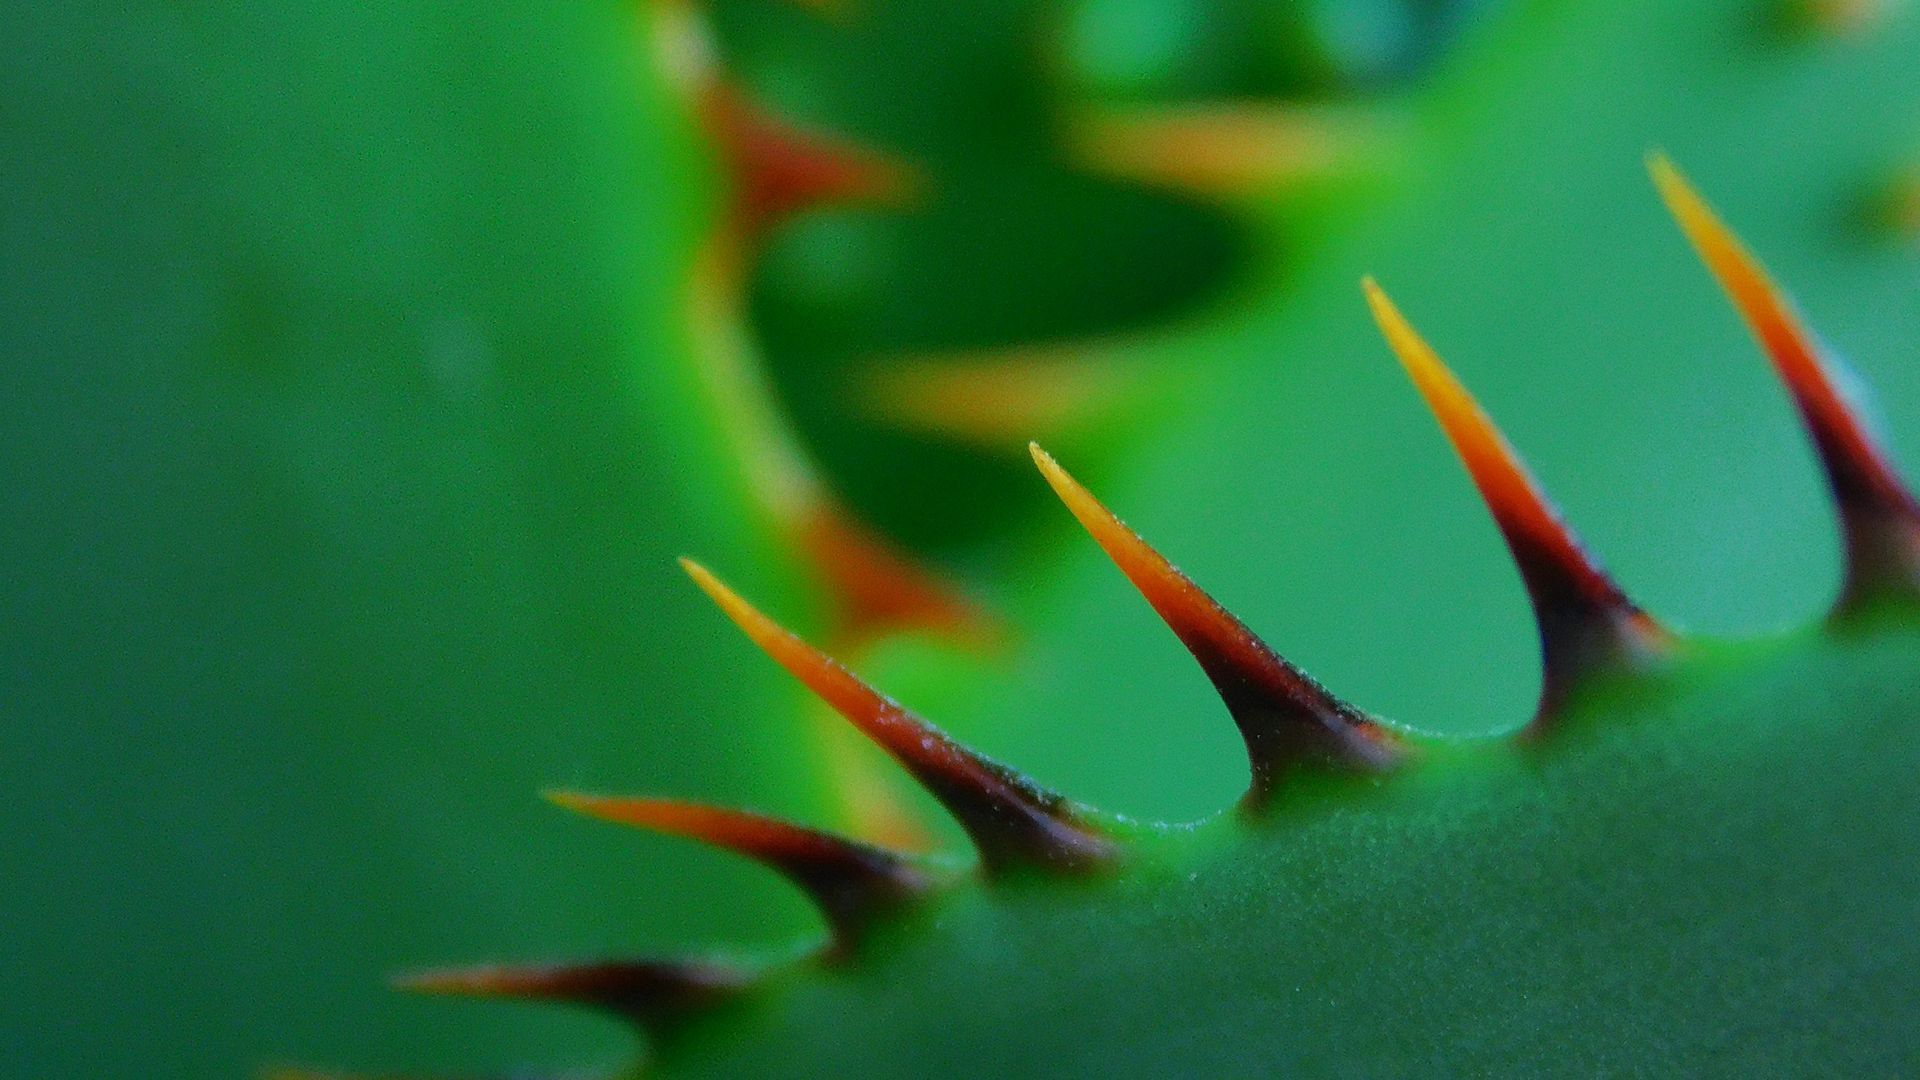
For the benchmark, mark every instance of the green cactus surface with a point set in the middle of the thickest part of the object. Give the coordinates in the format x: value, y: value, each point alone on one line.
x: 367, y: 369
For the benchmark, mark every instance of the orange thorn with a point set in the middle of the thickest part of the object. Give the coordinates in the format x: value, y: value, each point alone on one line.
x: 1011, y: 821
x: 780, y: 169
x: 1285, y: 717
x: 1226, y: 150
x: 649, y: 993
x: 1584, y: 619
x: 1880, y: 520
x: 852, y: 883
x: 992, y: 398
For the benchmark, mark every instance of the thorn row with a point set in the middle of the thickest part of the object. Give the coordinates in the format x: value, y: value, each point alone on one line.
x: 1879, y: 518
x: 852, y: 883
x: 1010, y: 820
x: 1285, y: 718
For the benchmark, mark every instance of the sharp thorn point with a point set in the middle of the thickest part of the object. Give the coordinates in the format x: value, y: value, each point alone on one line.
x: 650, y: 993
x: 1879, y: 517
x: 852, y: 883
x: 1585, y: 621
x: 1011, y: 821
x: 1285, y: 717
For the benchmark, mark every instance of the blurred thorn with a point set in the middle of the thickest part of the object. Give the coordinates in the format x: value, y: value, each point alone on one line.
x: 1228, y: 150
x: 875, y: 587
x: 1831, y: 18
x: 1895, y: 206
x: 1003, y: 397
x: 779, y: 169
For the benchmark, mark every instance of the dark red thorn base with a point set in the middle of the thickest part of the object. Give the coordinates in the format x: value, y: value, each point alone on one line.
x: 779, y: 169
x: 851, y: 883
x: 1011, y: 821
x: 1585, y: 621
x: 1879, y: 518
x: 1285, y: 717
x: 651, y: 994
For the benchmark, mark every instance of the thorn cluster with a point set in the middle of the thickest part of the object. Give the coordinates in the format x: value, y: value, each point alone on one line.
x: 1288, y: 721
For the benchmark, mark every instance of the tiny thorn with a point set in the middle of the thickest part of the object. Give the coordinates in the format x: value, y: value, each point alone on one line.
x: 1585, y: 621
x: 649, y: 993
x: 1284, y: 716
x: 1011, y: 821
x: 1879, y: 518
x: 780, y: 169
x: 852, y: 883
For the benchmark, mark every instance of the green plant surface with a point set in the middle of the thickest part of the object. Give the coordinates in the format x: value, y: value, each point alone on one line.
x: 1648, y: 889
x: 356, y: 428
x: 348, y: 428
x: 1698, y: 870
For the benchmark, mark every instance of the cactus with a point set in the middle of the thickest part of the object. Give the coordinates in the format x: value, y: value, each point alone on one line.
x: 1380, y: 901
x: 1647, y: 875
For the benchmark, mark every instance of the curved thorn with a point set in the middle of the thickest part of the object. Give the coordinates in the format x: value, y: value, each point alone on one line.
x: 1010, y: 820
x: 649, y: 993
x: 1285, y: 717
x: 1879, y: 518
x: 851, y: 883
x: 1584, y: 620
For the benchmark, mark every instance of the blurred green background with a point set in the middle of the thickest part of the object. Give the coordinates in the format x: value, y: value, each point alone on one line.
x: 350, y: 422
